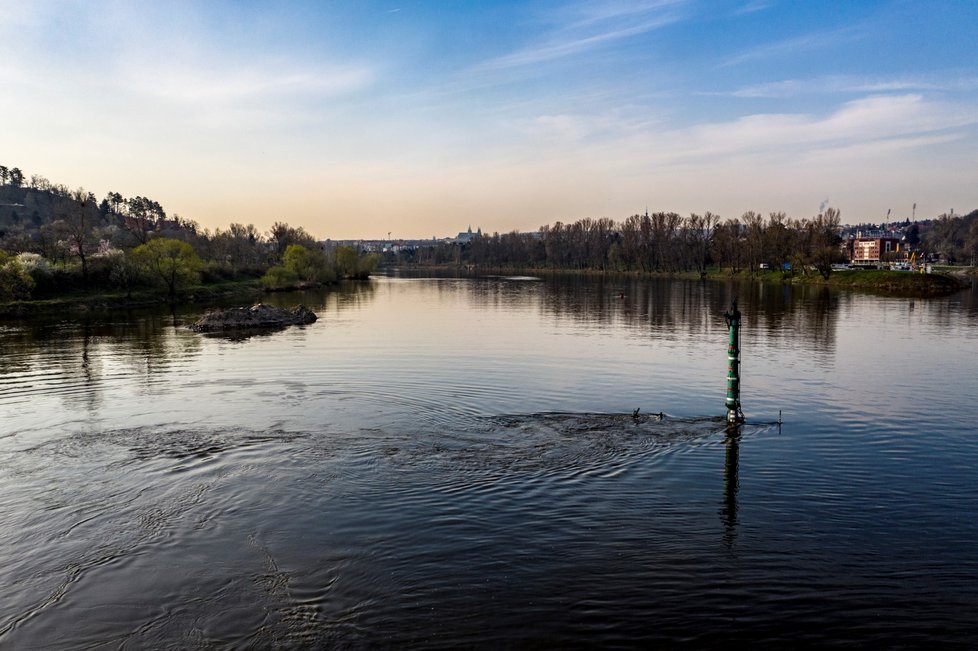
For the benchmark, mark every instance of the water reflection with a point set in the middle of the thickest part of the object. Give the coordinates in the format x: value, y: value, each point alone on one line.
x: 79, y: 361
x: 671, y: 309
x: 359, y: 484
x: 144, y: 346
x: 142, y: 334
x: 345, y: 296
x: 731, y: 484
x: 76, y: 362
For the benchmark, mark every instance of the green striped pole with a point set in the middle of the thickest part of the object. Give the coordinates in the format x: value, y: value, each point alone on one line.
x: 734, y: 413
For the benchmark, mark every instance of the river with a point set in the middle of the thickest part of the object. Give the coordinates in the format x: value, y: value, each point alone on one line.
x: 454, y: 462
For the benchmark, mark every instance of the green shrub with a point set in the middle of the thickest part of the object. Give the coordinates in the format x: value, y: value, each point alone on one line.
x: 172, y: 264
x: 279, y: 277
x: 15, y: 282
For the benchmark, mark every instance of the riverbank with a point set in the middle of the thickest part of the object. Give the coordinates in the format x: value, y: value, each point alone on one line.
x: 891, y: 283
x: 80, y: 302
x: 876, y: 281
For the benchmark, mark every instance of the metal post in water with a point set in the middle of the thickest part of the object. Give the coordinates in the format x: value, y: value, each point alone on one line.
x: 734, y: 413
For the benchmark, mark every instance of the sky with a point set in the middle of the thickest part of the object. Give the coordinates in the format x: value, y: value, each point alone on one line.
x: 409, y: 119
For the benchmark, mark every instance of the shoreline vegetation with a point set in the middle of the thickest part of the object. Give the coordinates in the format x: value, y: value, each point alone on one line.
x: 879, y: 281
x: 65, y: 249
x: 86, y: 301
x: 62, y: 248
x: 890, y: 283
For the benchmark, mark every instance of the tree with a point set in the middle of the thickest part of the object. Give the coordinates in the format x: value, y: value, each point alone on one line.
x: 16, y: 177
x: 38, y: 182
x: 4, y: 174
x: 779, y: 240
x: 15, y: 281
x: 76, y: 217
x: 110, y: 206
x: 971, y: 243
x: 241, y: 248
x: 310, y: 265
x: 278, y: 277
x: 352, y: 265
x: 825, y: 240
x: 727, y: 244
x: 346, y: 260
x: 699, y: 232
x: 754, y: 238
x: 946, y: 237
x: 913, y: 234
x: 143, y: 216
x: 300, y: 266
x: 284, y: 235
x: 172, y: 263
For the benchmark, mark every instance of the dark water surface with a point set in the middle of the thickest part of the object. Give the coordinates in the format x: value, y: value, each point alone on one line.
x: 445, y: 463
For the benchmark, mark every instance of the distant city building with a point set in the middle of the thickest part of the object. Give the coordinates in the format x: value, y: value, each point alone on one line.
x: 468, y: 235
x: 870, y: 251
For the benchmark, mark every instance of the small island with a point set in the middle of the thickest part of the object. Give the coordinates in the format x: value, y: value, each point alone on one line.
x: 256, y: 317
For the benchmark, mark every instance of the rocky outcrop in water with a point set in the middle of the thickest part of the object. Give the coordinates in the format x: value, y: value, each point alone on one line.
x: 258, y: 316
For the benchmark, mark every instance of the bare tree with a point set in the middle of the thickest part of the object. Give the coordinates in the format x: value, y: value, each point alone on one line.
x: 76, y: 217
x: 825, y: 240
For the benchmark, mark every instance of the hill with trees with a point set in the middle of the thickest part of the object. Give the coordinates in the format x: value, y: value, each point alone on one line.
x: 56, y: 241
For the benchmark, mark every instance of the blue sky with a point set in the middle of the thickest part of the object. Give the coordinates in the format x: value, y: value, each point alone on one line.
x: 355, y: 119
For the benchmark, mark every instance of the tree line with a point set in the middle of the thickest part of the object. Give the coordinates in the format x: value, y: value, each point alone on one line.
x: 662, y: 242
x: 54, y: 240
x: 953, y: 237
x: 666, y: 242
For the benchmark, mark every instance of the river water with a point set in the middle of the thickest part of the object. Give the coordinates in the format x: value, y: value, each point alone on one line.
x: 445, y: 463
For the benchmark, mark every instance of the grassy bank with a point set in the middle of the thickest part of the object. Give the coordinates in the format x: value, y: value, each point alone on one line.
x: 81, y: 301
x: 878, y: 281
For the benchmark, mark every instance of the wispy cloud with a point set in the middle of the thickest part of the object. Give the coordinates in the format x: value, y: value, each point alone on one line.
x: 753, y: 7
x: 940, y: 82
x: 226, y: 84
x: 563, y: 48
x: 584, y: 27
x: 575, y: 128
x: 871, y: 124
x: 869, y: 119
x: 584, y: 14
x: 794, y: 45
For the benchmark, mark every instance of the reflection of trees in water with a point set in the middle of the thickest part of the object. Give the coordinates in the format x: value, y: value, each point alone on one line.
x: 665, y: 305
x: 75, y: 359
x: 66, y: 361
x: 346, y: 295
x: 957, y: 311
x: 350, y: 295
x: 498, y: 293
x: 796, y: 315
